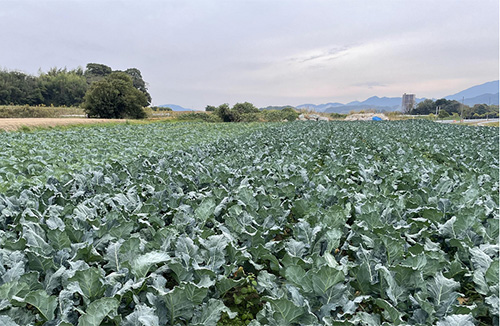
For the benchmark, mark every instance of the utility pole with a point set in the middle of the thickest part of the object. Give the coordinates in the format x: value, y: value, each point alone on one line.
x: 487, y: 112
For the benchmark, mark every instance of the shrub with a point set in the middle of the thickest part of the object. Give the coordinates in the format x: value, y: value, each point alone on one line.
x: 247, y: 112
x: 443, y: 114
x: 225, y: 113
x: 272, y: 115
x: 287, y: 114
x: 199, y: 116
x: 245, y: 108
x: 249, y: 117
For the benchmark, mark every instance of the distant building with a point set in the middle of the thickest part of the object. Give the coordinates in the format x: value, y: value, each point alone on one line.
x: 408, y: 103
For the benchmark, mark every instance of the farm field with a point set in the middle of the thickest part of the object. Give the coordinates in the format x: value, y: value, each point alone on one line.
x: 303, y: 223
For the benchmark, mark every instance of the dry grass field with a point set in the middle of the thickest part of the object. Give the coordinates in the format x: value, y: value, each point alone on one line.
x: 18, y: 123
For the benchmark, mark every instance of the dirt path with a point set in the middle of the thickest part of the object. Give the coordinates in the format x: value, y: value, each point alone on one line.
x: 14, y: 124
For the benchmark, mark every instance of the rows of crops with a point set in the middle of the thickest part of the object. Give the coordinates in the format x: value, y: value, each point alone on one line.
x: 302, y: 223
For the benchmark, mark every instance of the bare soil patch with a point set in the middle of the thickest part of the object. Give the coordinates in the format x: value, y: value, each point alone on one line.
x: 14, y: 124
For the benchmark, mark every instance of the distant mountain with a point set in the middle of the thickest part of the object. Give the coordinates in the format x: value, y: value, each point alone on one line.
x: 175, y: 107
x: 345, y: 108
x: 476, y: 91
x: 482, y: 99
x: 374, y: 102
x: 358, y: 107
x: 379, y: 101
x: 320, y: 107
x: 487, y: 93
x: 277, y: 107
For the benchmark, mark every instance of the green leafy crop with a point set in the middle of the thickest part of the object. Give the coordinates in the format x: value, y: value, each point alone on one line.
x: 304, y: 223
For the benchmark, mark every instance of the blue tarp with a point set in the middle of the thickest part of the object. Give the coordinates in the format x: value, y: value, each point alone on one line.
x: 377, y: 119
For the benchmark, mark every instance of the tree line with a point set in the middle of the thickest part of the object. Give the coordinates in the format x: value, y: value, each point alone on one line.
x: 247, y: 112
x: 444, y: 108
x: 60, y: 86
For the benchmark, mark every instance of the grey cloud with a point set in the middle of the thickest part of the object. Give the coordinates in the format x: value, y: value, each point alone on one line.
x: 370, y: 84
x: 329, y: 54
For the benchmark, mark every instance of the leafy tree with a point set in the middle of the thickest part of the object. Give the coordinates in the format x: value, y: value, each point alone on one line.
x: 210, y: 108
x: 225, y: 113
x: 443, y: 114
x: 58, y: 86
x: 238, y: 113
x: 480, y: 108
x: 442, y: 102
x: 138, y: 82
x: 247, y: 112
x: 115, y: 97
x: 246, y: 107
x: 96, y: 72
x: 289, y: 114
x: 451, y: 106
x: 424, y: 107
x: 481, y: 111
x: 492, y: 111
x: 17, y: 88
x: 61, y: 87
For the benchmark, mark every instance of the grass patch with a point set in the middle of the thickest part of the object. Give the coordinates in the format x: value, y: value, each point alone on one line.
x: 79, y: 126
x: 92, y: 125
x: 24, y: 129
x: 26, y: 111
x: 490, y: 124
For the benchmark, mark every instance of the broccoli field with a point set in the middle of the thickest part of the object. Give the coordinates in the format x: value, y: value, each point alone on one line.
x: 303, y: 223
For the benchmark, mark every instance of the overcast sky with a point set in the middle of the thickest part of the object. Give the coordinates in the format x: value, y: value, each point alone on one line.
x: 268, y: 52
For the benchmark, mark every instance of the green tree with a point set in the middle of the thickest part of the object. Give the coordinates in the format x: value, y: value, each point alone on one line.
x: 492, y: 111
x: 480, y: 109
x: 138, y: 82
x: 443, y: 114
x: 225, y: 113
x: 425, y: 107
x: 115, y: 97
x: 18, y: 88
x: 240, y: 112
x: 96, y: 71
x: 210, y: 108
x: 289, y: 114
x: 451, y: 106
x: 61, y: 87
x: 246, y: 107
